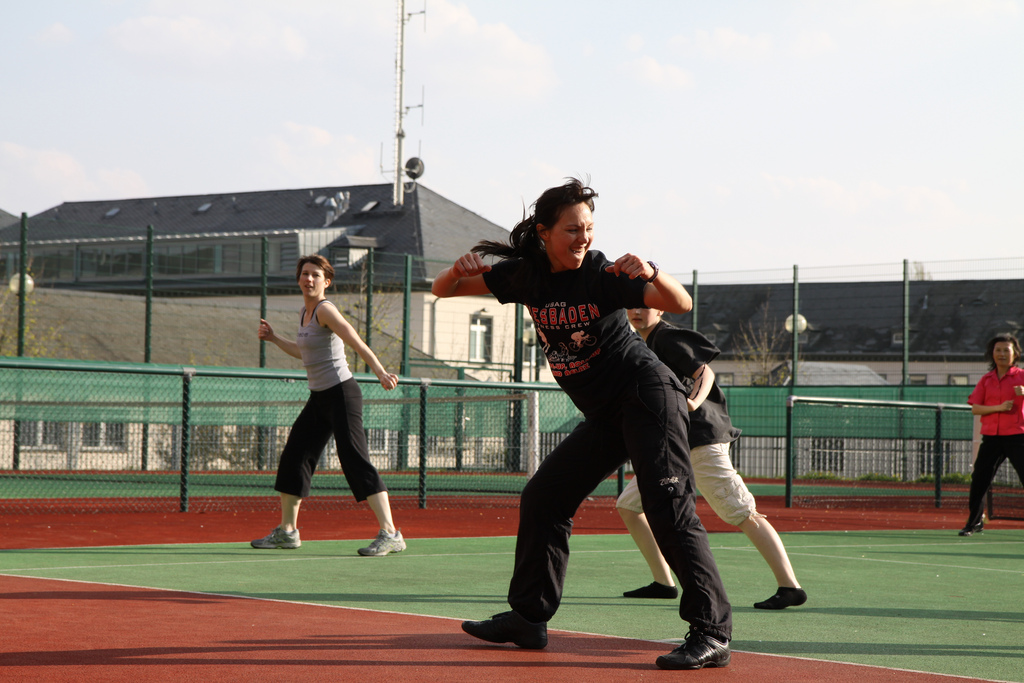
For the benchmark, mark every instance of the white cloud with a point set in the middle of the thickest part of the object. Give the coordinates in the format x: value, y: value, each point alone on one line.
x: 909, y: 200
x: 489, y: 60
x: 911, y: 11
x: 55, y: 34
x: 308, y: 155
x: 31, y: 178
x: 811, y: 44
x: 635, y: 43
x: 731, y: 45
x: 203, y: 42
x: 650, y: 71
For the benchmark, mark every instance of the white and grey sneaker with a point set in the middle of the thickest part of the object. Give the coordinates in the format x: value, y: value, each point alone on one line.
x: 384, y: 544
x: 278, y: 538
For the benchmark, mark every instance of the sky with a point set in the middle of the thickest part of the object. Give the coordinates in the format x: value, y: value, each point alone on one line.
x: 721, y: 136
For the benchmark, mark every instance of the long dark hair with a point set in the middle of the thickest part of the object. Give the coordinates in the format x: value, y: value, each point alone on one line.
x: 990, y: 348
x: 524, y: 242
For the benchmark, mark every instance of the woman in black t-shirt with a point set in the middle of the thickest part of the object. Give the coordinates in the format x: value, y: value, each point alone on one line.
x: 634, y: 407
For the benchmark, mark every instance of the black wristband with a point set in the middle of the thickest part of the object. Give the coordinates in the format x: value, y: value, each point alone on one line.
x: 654, y: 277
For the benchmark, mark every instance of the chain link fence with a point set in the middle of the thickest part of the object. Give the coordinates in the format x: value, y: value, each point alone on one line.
x: 154, y: 437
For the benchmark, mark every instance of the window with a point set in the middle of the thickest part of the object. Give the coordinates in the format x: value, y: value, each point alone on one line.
x: 53, y: 264
x: 958, y: 381
x: 46, y: 434
x: 110, y: 435
x: 918, y: 380
x: 480, y: 338
x: 725, y: 379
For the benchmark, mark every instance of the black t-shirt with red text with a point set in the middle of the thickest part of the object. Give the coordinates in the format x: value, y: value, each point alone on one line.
x: 581, y: 325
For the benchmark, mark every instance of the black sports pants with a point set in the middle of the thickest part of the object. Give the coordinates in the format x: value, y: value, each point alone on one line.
x: 646, y: 424
x: 338, y: 411
x: 991, y: 454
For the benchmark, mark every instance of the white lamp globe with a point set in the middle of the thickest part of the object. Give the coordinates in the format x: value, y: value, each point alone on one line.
x: 15, y: 283
x: 801, y: 324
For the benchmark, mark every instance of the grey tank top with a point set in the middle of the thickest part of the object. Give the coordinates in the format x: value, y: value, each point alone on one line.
x: 323, y: 353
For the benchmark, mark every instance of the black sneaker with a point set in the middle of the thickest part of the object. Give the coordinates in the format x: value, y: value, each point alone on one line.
x: 700, y: 650
x: 654, y: 590
x: 509, y: 627
x: 969, y: 530
x: 783, y: 598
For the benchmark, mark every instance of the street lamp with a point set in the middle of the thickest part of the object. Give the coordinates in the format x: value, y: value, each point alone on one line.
x: 15, y: 286
x: 801, y: 324
x: 15, y: 283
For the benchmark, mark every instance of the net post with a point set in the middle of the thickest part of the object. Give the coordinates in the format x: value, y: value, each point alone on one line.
x: 533, y: 425
x: 424, y: 384
x: 186, y: 428
x: 938, y: 456
x: 790, y: 401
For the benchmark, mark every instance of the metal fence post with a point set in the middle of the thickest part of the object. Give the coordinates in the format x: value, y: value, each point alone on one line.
x: 938, y: 468
x: 695, y: 299
x: 22, y: 283
x: 261, y: 430
x: 906, y: 324
x: 533, y: 443
x: 460, y: 423
x: 148, y: 351
x: 424, y: 384
x: 796, y: 323
x: 369, y: 303
x: 186, y: 428
x: 790, y: 450
x: 407, y: 315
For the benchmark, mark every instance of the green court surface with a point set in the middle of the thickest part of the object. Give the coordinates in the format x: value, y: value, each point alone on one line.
x: 922, y: 600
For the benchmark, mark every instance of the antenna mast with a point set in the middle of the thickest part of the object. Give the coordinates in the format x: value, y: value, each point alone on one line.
x: 399, y: 190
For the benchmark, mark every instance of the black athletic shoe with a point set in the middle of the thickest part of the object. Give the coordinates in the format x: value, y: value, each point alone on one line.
x: 700, y: 650
x: 654, y: 590
x: 509, y: 627
x: 783, y: 598
x: 969, y: 530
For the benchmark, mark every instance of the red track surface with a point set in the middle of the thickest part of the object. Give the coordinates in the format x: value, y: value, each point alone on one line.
x: 356, y: 522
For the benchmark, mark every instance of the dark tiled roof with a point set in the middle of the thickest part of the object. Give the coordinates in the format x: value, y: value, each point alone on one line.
x: 865, y: 319
x: 428, y: 225
x: 8, y: 219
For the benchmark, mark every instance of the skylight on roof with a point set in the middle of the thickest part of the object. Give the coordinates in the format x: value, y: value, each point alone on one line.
x: 113, y: 212
x: 203, y: 208
x: 370, y: 205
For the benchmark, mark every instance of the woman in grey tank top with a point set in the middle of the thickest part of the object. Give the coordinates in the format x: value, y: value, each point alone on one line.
x: 335, y: 407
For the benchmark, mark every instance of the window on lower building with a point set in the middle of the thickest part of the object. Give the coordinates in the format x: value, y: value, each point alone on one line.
x: 35, y: 433
x: 958, y: 380
x: 480, y: 338
x: 725, y: 379
x: 109, y: 435
x: 918, y: 380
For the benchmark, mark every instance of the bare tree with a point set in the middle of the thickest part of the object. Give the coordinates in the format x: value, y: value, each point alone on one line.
x: 761, y: 347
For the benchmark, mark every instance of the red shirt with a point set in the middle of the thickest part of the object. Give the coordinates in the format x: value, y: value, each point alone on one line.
x: 991, y: 391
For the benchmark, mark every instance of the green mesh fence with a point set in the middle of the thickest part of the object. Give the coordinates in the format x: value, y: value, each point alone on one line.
x: 88, y: 435
x: 872, y: 452
x: 130, y: 436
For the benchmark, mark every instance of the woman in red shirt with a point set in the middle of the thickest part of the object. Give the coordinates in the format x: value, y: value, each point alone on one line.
x: 997, y: 400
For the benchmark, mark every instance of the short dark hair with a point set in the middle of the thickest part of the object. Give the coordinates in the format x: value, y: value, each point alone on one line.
x: 991, y: 347
x: 318, y: 261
